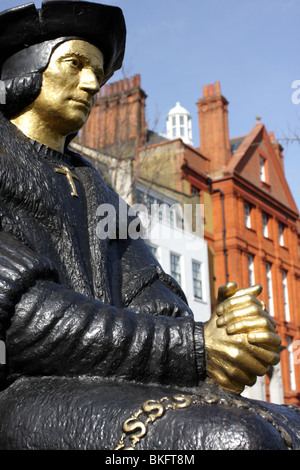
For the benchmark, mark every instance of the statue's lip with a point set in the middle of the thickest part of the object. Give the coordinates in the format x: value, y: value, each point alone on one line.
x: 82, y: 101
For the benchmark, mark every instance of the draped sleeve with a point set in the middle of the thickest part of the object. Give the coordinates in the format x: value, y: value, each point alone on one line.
x: 52, y: 330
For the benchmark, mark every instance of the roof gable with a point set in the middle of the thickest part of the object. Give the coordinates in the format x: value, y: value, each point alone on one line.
x: 246, y: 162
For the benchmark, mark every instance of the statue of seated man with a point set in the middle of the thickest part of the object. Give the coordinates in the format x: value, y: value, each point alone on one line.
x: 103, y: 351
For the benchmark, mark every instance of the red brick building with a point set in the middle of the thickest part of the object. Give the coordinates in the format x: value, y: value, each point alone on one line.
x: 261, y: 217
x: 251, y: 219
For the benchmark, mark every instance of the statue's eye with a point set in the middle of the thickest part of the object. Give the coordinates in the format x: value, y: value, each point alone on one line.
x: 74, y: 62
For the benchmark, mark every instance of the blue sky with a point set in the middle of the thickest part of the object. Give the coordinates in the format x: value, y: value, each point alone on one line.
x: 250, y: 46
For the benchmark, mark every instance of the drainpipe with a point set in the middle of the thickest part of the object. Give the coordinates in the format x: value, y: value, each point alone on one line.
x: 212, y: 191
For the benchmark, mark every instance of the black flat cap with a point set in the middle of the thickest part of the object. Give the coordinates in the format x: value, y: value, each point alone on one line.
x: 101, y: 25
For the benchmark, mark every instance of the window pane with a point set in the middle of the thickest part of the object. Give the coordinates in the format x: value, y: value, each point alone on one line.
x: 285, y: 296
x: 247, y: 215
x: 150, y: 201
x: 154, y: 250
x: 175, y: 267
x: 171, y: 212
x: 270, y: 288
x: 291, y: 363
x: 197, y: 280
x: 262, y: 169
x: 140, y: 196
x: 251, y: 270
x: 265, y: 225
x: 281, y: 239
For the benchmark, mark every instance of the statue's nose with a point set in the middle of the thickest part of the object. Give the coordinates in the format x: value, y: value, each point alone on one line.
x: 89, y: 81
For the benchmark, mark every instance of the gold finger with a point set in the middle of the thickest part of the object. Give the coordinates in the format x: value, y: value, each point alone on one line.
x: 265, y: 339
x: 253, y: 290
x: 238, y: 314
x: 237, y: 302
x: 226, y: 291
x: 250, y: 324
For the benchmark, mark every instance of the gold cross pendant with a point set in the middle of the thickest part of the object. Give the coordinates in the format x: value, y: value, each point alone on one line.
x: 70, y: 177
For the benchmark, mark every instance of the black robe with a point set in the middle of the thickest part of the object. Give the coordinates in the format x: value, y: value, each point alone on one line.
x: 93, y: 327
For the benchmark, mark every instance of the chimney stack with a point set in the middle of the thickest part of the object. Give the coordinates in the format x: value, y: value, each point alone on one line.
x: 213, y: 127
x: 118, y: 115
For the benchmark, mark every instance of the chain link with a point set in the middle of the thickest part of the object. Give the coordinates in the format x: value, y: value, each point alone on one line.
x: 135, y: 427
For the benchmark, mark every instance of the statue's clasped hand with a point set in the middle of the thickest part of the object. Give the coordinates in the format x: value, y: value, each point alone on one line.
x: 241, y: 342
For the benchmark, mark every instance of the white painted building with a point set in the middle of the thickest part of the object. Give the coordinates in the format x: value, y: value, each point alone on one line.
x: 180, y: 252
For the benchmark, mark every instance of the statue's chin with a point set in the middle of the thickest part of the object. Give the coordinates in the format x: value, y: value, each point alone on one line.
x: 73, y: 125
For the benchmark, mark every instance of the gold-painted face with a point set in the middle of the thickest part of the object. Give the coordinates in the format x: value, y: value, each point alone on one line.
x: 69, y: 86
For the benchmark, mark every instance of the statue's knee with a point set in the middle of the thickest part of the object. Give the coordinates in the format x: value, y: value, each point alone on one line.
x: 231, y: 429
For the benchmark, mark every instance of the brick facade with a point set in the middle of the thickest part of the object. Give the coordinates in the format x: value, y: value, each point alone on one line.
x: 239, y: 176
x: 118, y: 115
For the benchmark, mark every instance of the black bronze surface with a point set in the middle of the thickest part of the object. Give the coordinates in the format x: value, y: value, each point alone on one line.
x: 94, y: 328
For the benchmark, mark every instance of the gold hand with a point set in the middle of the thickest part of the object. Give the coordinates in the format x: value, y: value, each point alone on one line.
x: 240, y: 338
